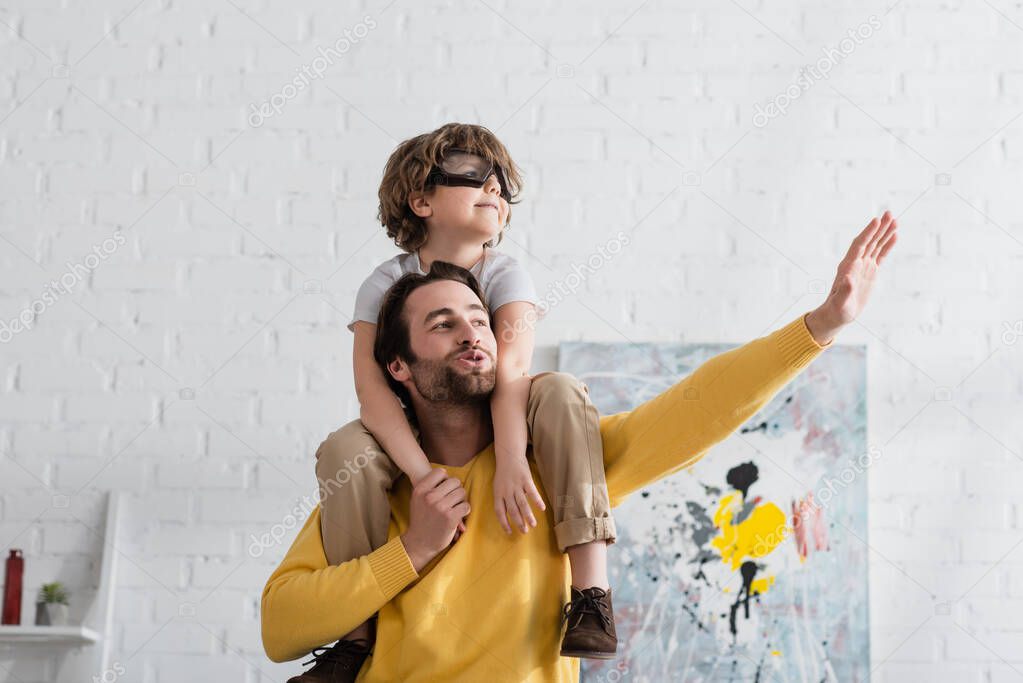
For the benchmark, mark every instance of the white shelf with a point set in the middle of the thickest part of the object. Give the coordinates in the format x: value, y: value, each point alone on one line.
x: 97, y: 623
x: 64, y: 635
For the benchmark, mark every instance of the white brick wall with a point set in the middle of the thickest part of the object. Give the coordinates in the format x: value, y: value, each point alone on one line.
x: 648, y: 127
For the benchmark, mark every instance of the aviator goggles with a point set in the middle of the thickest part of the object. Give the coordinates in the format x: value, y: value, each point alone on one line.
x: 460, y: 167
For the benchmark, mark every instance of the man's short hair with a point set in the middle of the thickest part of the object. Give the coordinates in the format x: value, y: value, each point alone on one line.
x: 393, y: 339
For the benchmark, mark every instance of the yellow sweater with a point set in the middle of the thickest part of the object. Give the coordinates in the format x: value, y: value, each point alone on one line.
x: 488, y: 609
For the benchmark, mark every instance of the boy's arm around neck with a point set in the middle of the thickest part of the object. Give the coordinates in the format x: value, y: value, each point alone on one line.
x: 380, y: 410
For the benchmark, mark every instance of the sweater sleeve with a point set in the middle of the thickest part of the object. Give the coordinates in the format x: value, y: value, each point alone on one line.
x: 676, y: 428
x: 307, y: 603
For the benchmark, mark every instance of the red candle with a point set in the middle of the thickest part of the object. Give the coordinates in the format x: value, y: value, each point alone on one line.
x: 12, y: 588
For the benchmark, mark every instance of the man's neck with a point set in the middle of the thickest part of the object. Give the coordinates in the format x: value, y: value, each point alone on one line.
x: 452, y: 434
x: 464, y: 254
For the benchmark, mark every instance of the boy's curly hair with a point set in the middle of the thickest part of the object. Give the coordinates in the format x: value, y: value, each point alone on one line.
x: 409, y: 165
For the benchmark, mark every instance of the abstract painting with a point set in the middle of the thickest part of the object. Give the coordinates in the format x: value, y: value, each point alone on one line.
x: 751, y: 565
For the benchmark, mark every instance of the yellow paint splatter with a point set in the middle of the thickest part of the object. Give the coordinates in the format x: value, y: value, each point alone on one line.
x: 761, y: 585
x: 756, y: 536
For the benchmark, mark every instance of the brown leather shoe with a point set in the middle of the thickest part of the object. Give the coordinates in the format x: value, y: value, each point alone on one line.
x: 339, y: 663
x: 591, y: 625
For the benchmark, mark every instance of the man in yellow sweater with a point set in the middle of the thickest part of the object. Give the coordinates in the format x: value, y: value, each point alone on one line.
x: 484, y: 607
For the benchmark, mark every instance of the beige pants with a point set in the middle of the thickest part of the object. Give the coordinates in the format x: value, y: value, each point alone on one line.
x: 355, y: 474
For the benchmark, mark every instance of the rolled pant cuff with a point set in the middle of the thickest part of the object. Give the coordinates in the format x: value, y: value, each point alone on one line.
x: 583, y: 530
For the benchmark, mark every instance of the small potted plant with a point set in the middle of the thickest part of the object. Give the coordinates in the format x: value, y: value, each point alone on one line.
x: 52, y: 605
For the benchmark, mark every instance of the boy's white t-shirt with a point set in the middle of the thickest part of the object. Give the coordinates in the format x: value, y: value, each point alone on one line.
x: 501, y: 278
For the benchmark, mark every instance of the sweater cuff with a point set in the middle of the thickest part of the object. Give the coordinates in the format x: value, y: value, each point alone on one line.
x: 392, y: 567
x: 798, y: 347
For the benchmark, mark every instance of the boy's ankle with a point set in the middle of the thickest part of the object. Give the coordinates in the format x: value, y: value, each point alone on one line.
x: 366, y: 631
x: 602, y: 586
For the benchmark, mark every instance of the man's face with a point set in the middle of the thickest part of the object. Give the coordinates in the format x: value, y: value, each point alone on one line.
x: 454, y: 347
x: 458, y: 211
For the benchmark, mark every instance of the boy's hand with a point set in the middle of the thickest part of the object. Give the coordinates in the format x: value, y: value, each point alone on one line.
x: 513, y: 489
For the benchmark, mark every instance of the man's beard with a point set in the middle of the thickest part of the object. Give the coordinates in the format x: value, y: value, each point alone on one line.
x: 437, y: 382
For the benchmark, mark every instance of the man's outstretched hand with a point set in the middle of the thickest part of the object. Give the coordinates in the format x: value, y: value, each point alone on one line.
x: 854, y: 279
